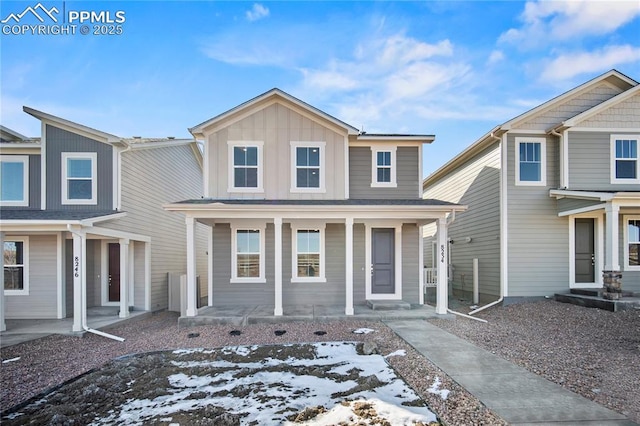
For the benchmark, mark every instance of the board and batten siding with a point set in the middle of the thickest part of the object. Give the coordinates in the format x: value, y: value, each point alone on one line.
x: 476, y: 184
x: 407, y: 174
x: 34, y: 181
x: 590, y: 162
x: 59, y: 141
x: 276, y: 126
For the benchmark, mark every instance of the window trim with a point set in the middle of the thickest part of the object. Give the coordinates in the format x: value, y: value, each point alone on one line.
x: 625, y: 220
x: 294, y: 168
x: 261, y: 228
x: 25, y: 265
x: 543, y: 161
x: 93, y: 156
x: 374, y: 167
x: 231, y: 166
x: 294, y: 252
x: 612, y: 163
x: 24, y: 159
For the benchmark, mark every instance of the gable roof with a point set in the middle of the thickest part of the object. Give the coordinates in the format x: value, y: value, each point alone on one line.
x: 11, y: 136
x: 197, y: 131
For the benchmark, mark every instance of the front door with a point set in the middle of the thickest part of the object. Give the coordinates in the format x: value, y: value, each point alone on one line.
x: 383, y: 261
x: 585, y: 251
x: 114, y: 272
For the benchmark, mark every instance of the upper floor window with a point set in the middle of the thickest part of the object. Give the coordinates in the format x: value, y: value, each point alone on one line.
x: 383, y: 167
x: 245, y: 171
x: 308, y: 255
x: 248, y: 255
x: 632, y: 243
x: 14, y: 180
x: 625, y: 167
x: 531, y: 161
x: 307, y: 171
x: 79, y: 178
x: 16, y: 266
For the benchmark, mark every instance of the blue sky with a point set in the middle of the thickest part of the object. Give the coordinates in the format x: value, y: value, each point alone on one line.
x: 450, y: 68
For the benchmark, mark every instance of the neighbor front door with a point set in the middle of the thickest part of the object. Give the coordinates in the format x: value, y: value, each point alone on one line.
x: 585, y: 251
x: 114, y: 272
x: 383, y: 261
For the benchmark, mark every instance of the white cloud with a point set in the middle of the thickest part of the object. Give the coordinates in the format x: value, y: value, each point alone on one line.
x: 257, y: 12
x: 495, y: 57
x: 567, y: 66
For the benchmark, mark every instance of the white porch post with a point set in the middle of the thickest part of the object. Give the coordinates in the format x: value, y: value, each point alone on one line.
x: 348, y: 279
x: 3, y: 325
x: 60, y: 275
x: 210, y: 266
x: 147, y: 276
x: 420, y: 265
x: 79, y: 249
x: 277, y: 224
x: 192, y: 311
x: 612, y: 262
x: 442, y: 298
x: 124, y: 277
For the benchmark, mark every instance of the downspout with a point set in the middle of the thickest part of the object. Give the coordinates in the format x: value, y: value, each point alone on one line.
x: 83, y: 298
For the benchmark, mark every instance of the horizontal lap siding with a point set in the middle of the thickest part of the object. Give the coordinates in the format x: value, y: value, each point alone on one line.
x: 410, y: 267
x: 359, y: 267
x: 360, y: 163
x: 569, y: 204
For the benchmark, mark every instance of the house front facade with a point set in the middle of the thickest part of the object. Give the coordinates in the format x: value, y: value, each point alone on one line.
x: 553, y: 195
x: 303, y: 209
x: 82, y: 224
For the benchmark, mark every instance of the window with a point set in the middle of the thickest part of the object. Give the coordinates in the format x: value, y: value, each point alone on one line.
x: 624, y: 154
x: 245, y: 172
x: 14, y: 180
x: 79, y: 180
x: 16, y: 266
x: 531, y: 167
x: 632, y: 243
x: 308, y: 166
x: 308, y: 255
x: 383, y: 167
x: 248, y: 255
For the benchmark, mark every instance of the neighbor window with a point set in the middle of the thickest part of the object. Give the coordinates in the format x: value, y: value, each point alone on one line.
x: 632, y: 243
x: 531, y: 166
x: 625, y: 164
x: 79, y: 178
x: 308, y: 255
x: 248, y: 255
x: 14, y: 180
x: 245, y: 172
x: 16, y: 269
x: 383, y: 167
x: 308, y: 166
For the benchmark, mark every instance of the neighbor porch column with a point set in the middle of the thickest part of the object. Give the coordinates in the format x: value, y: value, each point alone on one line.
x: 192, y: 310
x: 210, y: 266
x: 147, y: 276
x: 420, y: 265
x: 442, y: 298
x: 3, y: 326
x: 277, y: 224
x: 612, y: 262
x: 348, y: 267
x: 124, y: 277
x: 79, y: 279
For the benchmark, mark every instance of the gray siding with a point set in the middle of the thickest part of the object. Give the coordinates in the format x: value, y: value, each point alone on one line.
x: 359, y: 269
x: 34, y: 181
x: 407, y: 177
x: 59, y: 141
x: 569, y: 204
x: 410, y: 268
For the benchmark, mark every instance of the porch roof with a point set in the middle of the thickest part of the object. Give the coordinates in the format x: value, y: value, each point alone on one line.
x: 13, y: 219
x: 347, y: 202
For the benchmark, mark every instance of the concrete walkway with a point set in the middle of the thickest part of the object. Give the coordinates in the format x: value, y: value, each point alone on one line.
x: 513, y: 393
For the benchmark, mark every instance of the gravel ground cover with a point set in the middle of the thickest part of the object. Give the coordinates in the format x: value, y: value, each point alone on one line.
x: 589, y: 351
x: 31, y: 368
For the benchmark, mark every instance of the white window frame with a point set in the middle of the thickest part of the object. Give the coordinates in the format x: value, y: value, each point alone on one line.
x: 25, y: 266
x: 294, y: 167
x: 625, y: 221
x: 24, y: 159
x: 374, y: 167
x: 231, y: 187
x: 295, y: 227
x: 543, y: 161
x: 614, y: 178
x: 93, y: 156
x: 261, y: 228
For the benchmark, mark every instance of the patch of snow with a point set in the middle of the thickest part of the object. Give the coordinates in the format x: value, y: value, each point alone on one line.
x: 435, y: 389
x: 399, y: 352
x: 363, y: 331
x: 6, y: 361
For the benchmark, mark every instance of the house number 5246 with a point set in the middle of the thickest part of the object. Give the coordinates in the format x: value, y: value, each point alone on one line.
x: 442, y: 254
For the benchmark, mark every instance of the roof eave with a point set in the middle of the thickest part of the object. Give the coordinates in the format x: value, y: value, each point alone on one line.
x: 103, y: 136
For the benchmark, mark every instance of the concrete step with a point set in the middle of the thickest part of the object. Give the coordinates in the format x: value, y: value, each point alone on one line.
x: 596, y: 292
x: 626, y: 303
x: 388, y: 305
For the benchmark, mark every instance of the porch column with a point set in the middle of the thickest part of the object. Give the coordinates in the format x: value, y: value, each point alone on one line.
x: 442, y: 298
x: 420, y: 265
x: 79, y: 279
x: 348, y: 267
x: 147, y: 276
x: 192, y: 310
x: 210, y: 266
x: 3, y: 326
x: 277, y: 224
x: 60, y: 276
x: 124, y: 277
x: 612, y: 262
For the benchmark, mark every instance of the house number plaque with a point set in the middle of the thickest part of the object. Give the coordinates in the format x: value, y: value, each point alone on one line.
x: 76, y: 266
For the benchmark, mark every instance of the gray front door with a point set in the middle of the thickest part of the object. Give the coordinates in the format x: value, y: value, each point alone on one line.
x: 383, y: 261
x: 585, y: 253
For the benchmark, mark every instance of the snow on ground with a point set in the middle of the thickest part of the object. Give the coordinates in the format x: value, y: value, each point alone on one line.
x: 435, y: 389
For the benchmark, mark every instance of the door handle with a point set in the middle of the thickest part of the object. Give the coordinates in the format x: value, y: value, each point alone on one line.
x: 593, y: 259
x: 372, y: 270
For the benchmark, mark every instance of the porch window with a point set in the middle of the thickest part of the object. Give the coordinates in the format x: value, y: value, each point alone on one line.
x: 632, y: 243
x: 307, y: 174
x: 16, y: 266
x: 625, y: 168
x: 14, y: 180
x: 308, y: 255
x: 248, y: 255
x: 383, y: 167
x: 245, y: 171
x: 530, y: 161
x: 79, y: 178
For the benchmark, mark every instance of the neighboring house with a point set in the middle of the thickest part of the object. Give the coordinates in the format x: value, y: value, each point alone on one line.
x: 553, y: 196
x: 81, y: 220
x: 307, y: 210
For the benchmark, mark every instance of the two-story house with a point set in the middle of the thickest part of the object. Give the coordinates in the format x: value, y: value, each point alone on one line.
x: 306, y: 210
x: 553, y: 196
x: 82, y: 224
